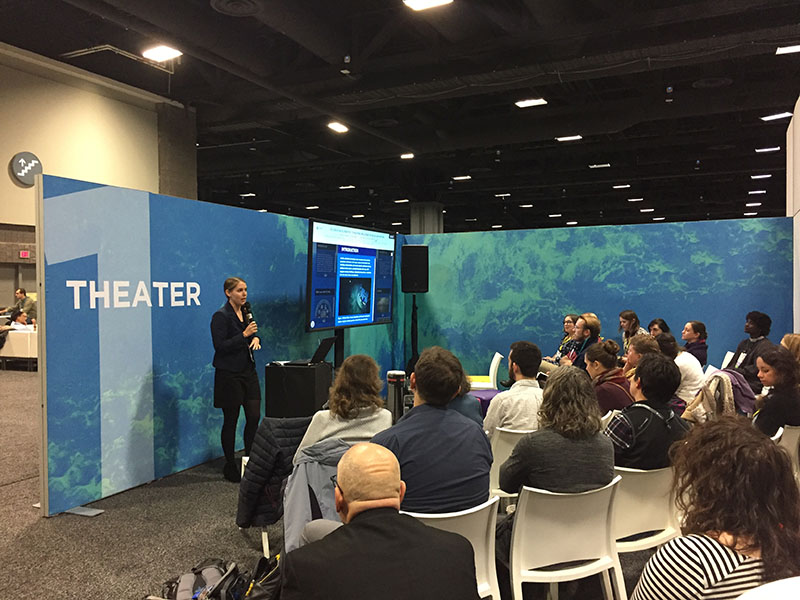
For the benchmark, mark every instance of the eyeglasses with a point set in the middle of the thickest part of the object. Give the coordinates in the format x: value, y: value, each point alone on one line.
x: 335, y: 483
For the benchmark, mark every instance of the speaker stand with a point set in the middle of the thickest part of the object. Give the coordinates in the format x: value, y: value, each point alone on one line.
x: 338, y: 347
x: 412, y: 362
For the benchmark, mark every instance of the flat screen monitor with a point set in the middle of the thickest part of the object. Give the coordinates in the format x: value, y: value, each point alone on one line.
x: 350, y: 276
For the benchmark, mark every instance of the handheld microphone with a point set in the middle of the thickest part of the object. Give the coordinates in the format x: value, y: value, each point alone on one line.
x: 247, y: 314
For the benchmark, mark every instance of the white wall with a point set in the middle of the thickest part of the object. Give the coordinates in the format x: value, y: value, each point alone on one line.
x: 80, y: 126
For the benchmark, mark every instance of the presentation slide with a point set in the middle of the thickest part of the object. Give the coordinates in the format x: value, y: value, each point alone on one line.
x: 351, y: 273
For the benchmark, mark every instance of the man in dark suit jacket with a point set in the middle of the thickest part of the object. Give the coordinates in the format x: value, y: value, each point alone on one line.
x: 378, y: 553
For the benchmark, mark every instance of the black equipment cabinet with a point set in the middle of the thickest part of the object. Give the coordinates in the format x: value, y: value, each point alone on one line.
x: 296, y: 390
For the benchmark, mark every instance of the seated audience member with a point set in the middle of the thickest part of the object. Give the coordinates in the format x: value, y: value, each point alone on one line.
x: 778, y: 370
x: 640, y: 345
x: 610, y: 384
x: 22, y: 304
x: 587, y: 332
x: 657, y: 326
x: 18, y: 321
x: 695, y: 335
x: 378, y: 553
x: 568, y: 454
x: 355, y: 411
x: 467, y: 404
x: 550, y: 362
x: 518, y: 407
x: 791, y: 341
x: 643, y: 432
x: 735, y: 535
x: 444, y: 457
x: 691, y: 371
x: 629, y: 326
x: 756, y: 326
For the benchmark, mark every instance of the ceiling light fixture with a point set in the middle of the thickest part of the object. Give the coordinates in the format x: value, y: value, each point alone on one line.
x: 502, y: 195
x: 401, y: 201
x: 526, y: 205
x: 312, y: 207
x: 776, y: 116
x: 263, y: 210
x: 528, y: 102
x: 425, y: 4
x: 787, y: 49
x: 750, y: 214
x: 569, y: 138
x: 358, y: 216
x: 622, y: 186
x: 407, y: 156
x: 338, y: 127
x: 347, y: 187
x: 753, y: 204
x: 462, y: 177
x: 497, y: 226
x: 471, y: 220
x: 247, y: 195
x: 635, y: 199
x: 754, y: 192
x: 658, y: 218
x: 768, y: 149
x: 554, y: 215
x: 397, y: 223
x: 644, y: 210
x: 600, y: 166
x: 765, y: 176
x: 572, y: 222
x: 161, y: 53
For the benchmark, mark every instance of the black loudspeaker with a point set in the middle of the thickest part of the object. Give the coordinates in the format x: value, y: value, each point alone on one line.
x: 414, y: 269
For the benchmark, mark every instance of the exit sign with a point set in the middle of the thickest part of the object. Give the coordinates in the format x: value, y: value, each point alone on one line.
x: 24, y: 254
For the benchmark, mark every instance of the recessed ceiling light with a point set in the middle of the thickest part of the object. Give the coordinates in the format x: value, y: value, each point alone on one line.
x: 768, y: 149
x: 502, y: 195
x: 497, y: 226
x: 635, y: 199
x: 338, y: 127
x: 765, y: 176
x: 787, y: 49
x: 401, y: 201
x: 425, y: 4
x: 397, y: 223
x: 471, y: 220
x: 572, y: 222
x: 247, y: 195
x: 312, y: 207
x: 161, y: 53
x: 776, y: 116
x: 407, y: 156
x: 347, y: 187
x: 600, y: 166
x: 622, y: 186
x: 554, y: 215
x: 753, y: 204
x: 526, y: 205
x: 528, y: 102
x: 658, y: 218
x: 754, y: 192
x: 569, y: 138
x: 462, y: 177
x: 750, y: 214
x: 444, y: 211
x: 644, y: 210
x: 358, y: 216
x: 263, y: 210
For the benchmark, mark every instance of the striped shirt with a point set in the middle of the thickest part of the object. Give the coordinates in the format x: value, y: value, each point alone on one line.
x: 697, y: 566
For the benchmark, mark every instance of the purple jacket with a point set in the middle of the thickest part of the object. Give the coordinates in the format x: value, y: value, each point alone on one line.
x: 700, y: 351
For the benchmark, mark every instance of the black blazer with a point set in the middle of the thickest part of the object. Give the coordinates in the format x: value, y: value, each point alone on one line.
x: 381, y: 554
x: 231, y: 348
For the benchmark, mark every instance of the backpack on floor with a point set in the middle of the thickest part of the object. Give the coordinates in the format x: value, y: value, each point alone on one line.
x: 212, y: 578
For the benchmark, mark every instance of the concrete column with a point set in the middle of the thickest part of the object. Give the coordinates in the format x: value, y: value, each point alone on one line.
x: 177, y: 151
x: 426, y: 217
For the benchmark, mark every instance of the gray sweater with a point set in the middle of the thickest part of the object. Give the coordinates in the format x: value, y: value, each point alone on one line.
x: 362, y: 428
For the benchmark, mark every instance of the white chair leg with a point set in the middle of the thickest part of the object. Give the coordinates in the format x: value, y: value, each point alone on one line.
x: 516, y: 589
x: 554, y: 590
x: 608, y: 594
x: 265, y: 543
x: 619, y: 583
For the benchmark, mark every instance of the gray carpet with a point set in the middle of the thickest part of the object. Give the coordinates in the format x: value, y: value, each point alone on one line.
x: 146, y: 535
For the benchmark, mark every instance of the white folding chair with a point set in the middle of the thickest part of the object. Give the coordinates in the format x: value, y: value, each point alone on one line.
x: 503, y: 442
x: 264, y: 536
x: 606, y: 418
x: 790, y: 440
x: 478, y: 526
x: 484, y: 382
x: 778, y: 435
x: 782, y: 589
x: 644, y: 503
x: 551, y: 529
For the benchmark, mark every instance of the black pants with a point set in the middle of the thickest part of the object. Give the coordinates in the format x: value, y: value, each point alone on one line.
x: 231, y: 392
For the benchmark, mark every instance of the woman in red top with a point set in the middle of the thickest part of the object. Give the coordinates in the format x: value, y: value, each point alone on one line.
x: 610, y: 384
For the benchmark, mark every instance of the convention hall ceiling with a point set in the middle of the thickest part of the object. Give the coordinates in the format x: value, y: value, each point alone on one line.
x: 669, y: 93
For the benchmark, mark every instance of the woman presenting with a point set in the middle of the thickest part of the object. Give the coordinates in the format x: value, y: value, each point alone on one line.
x: 235, y: 379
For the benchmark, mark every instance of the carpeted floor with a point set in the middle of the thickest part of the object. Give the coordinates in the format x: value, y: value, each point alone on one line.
x: 147, y: 534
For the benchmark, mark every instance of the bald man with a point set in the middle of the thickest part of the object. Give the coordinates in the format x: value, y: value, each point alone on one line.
x: 378, y: 553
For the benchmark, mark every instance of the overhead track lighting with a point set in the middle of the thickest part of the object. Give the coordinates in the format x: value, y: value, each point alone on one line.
x: 768, y: 149
x: 161, y: 53
x: 569, y: 138
x: 407, y: 156
x: 787, y: 49
x: 425, y: 4
x: 527, y: 103
x: 622, y: 186
x: 776, y: 116
x: 338, y: 127
x: 462, y: 177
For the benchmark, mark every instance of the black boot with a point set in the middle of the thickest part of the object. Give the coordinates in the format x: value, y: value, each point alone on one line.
x: 231, y: 472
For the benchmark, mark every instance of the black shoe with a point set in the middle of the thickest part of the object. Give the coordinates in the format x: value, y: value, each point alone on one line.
x: 231, y: 472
